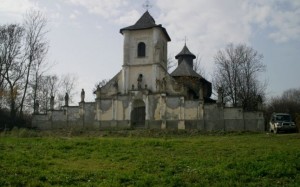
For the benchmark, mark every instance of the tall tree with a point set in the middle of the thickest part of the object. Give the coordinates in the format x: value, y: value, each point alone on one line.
x: 41, y: 92
x: 237, y: 70
x: 38, y: 79
x: 3, y: 53
x: 47, y: 86
x: 36, y: 47
x: 12, y: 64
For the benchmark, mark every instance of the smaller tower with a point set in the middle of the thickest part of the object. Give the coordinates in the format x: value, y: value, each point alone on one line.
x: 197, y: 86
x: 185, y: 54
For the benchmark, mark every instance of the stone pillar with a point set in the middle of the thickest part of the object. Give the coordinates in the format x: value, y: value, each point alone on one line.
x: 81, y: 112
x: 126, y: 83
x: 126, y: 48
x: 155, y: 78
x: 129, y: 110
x: 139, y: 81
x: 220, y: 97
x: 98, y: 114
x: 67, y: 99
x: 116, y: 86
x: 147, y: 108
x: 259, y: 103
x: 113, y: 117
x: 181, y: 123
x: 200, y: 110
x: 163, y: 111
x: 114, y: 113
x: 82, y: 95
x: 37, y: 107
x: 201, y: 92
x: 52, y: 102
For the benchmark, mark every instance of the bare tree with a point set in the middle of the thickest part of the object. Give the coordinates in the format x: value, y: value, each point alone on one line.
x: 171, y: 63
x: 53, y: 84
x: 288, y: 102
x: 50, y: 88
x: 43, y: 92
x: 38, y: 80
x: 237, y: 69
x: 67, y: 84
x: 10, y: 48
x: 3, y: 54
x: 12, y: 64
x: 292, y: 95
x: 197, y: 67
x: 36, y: 47
x: 47, y: 87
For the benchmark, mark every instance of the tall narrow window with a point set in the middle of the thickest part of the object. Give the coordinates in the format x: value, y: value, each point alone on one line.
x: 141, y: 49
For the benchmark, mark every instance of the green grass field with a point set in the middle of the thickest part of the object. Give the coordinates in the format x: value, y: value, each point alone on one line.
x: 165, y: 159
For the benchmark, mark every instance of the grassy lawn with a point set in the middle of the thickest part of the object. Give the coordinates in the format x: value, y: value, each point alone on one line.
x: 140, y: 160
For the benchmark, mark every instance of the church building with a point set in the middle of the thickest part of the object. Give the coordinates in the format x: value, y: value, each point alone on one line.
x: 144, y: 95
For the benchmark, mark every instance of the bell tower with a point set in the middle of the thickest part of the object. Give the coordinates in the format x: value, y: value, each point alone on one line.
x: 145, y: 54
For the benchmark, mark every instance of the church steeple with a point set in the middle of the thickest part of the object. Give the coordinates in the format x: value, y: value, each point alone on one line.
x: 185, y: 64
x: 186, y: 55
x: 146, y: 22
x: 198, y: 87
x: 145, y: 53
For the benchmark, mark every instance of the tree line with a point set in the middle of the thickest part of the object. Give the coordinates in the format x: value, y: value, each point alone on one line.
x: 288, y: 102
x: 25, y: 82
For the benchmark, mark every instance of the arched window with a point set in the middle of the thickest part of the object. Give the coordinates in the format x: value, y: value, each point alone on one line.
x: 141, y: 51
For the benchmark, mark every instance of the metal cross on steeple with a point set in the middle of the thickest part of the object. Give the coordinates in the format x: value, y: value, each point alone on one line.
x: 147, y: 5
x: 185, y: 40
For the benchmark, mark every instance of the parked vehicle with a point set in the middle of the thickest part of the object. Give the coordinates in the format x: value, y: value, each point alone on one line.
x: 282, y: 122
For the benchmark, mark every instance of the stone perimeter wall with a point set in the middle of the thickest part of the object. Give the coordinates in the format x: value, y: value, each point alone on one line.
x: 168, y: 113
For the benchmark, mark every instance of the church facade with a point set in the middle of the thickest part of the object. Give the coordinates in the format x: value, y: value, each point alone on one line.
x: 144, y: 95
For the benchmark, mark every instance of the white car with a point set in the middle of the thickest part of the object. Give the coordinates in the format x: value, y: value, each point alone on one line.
x: 282, y: 122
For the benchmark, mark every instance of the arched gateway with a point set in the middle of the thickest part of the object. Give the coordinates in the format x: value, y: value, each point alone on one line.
x: 138, y: 114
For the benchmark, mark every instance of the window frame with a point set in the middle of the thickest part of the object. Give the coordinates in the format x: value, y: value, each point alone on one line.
x: 141, y: 50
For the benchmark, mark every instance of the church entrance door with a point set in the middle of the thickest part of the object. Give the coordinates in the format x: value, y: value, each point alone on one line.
x: 138, y: 114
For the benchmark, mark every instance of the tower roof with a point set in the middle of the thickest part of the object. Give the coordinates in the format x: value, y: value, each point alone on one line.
x: 146, y: 22
x: 185, y: 52
x: 184, y: 70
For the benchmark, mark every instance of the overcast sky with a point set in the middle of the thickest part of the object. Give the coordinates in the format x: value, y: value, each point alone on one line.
x: 85, y: 40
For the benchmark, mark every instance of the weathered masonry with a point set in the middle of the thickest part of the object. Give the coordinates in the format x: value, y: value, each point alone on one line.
x: 144, y: 95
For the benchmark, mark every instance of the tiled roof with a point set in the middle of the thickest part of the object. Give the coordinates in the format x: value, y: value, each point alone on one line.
x: 145, y: 22
x: 185, y: 52
x: 184, y: 69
